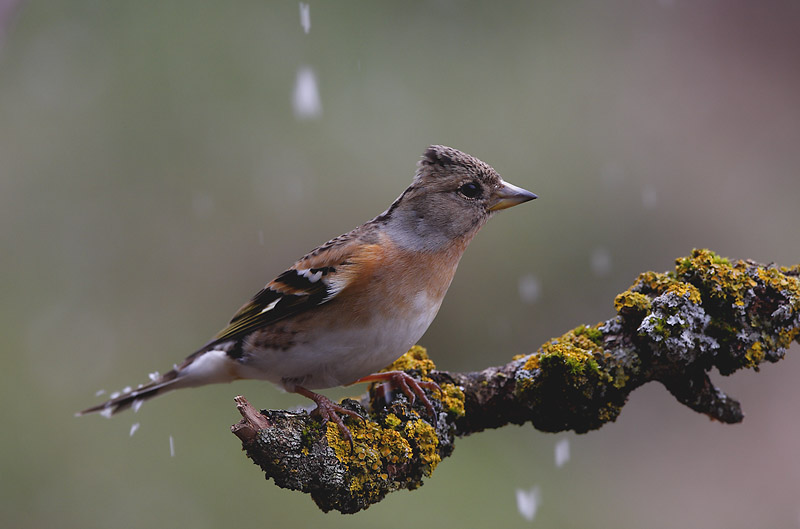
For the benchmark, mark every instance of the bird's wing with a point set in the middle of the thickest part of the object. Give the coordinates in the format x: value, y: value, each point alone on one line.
x: 314, y: 280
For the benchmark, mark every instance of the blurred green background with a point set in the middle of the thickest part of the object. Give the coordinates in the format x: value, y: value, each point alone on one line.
x: 154, y: 174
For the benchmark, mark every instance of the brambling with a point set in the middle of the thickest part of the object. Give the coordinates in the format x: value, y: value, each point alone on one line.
x: 358, y: 302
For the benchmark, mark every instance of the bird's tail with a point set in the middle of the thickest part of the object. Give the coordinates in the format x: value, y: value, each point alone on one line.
x: 132, y: 398
x: 206, y: 366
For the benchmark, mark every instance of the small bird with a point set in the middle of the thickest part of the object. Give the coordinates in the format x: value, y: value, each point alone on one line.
x: 358, y: 302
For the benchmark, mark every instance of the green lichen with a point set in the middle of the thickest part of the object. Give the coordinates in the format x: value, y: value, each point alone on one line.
x: 572, y: 354
x: 620, y: 377
x: 307, y: 437
x: 575, y: 351
x: 578, y: 362
x: 567, y: 378
x: 592, y: 333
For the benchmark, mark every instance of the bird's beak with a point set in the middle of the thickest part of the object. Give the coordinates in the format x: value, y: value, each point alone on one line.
x: 508, y: 195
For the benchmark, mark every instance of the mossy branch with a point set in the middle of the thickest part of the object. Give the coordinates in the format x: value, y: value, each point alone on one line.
x: 670, y: 327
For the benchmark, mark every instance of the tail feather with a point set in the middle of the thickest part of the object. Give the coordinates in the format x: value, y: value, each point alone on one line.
x: 167, y: 382
x: 206, y: 366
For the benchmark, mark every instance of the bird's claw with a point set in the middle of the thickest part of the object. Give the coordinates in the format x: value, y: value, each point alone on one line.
x: 410, y: 386
x: 327, y: 410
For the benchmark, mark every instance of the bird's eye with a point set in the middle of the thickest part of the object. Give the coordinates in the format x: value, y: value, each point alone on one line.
x: 470, y: 190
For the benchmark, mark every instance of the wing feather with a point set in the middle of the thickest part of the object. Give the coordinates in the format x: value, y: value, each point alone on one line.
x: 314, y: 280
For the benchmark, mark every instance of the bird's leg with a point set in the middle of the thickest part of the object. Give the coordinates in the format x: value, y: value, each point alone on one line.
x: 409, y: 385
x: 329, y: 411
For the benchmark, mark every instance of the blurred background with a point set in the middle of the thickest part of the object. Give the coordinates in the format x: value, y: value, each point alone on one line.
x: 161, y: 161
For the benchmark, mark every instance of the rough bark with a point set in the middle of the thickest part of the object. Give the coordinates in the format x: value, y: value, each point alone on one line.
x: 670, y: 327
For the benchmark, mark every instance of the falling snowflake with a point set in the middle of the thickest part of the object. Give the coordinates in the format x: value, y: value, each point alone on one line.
x: 528, y: 502
x: 305, y: 100
x: 601, y: 262
x: 529, y: 289
x: 562, y: 452
x: 305, y: 17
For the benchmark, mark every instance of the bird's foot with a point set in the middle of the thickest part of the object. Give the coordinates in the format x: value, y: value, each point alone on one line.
x: 328, y: 410
x: 410, y: 386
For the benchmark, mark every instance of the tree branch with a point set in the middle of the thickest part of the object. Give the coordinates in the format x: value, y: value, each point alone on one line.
x: 670, y: 327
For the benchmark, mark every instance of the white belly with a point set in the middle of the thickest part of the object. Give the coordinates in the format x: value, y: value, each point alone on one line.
x: 338, y: 357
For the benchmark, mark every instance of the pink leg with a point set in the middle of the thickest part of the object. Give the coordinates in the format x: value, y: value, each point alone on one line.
x: 329, y: 411
x: 410, y: 386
